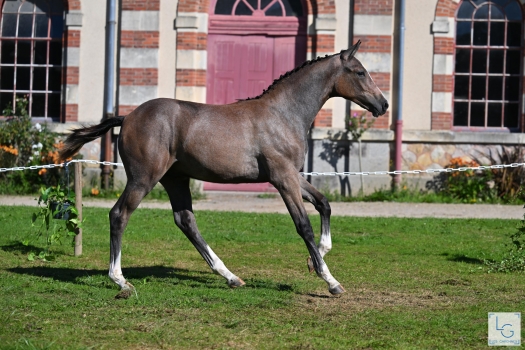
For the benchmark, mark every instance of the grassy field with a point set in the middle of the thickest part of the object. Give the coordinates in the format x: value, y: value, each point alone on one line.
x: 411, y: 284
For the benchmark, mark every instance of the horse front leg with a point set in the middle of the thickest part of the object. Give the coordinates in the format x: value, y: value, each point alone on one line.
x: 181, y: 203
x: 312, y: 195
x: 290, y: 189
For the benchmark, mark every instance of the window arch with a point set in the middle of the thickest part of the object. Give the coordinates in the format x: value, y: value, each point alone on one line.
x: 31, y: 34
x: 276, y: 8
x: 488, y: 64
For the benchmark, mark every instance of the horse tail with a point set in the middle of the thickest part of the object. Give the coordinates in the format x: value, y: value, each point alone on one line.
x: 81, y: 136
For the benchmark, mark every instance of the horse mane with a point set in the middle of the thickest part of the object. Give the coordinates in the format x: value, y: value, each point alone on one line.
x: 287, y: 74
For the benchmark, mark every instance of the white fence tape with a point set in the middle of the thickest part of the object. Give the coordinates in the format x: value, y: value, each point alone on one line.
x: 346, y: 173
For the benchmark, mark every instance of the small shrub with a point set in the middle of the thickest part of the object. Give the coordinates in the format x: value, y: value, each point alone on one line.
x: 468, y: 186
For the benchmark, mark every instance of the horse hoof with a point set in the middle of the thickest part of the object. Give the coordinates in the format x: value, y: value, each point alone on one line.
x: 337, y: 290
x: 310, y: 264
x: 236, y: 283
x: 126, y: 291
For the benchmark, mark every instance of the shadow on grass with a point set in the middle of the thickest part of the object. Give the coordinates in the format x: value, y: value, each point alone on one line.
x: 463, y: 258
x: 169, y: 274
x: 17, y: 247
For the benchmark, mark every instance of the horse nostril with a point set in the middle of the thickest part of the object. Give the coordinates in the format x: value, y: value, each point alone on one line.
x: 385, y: 106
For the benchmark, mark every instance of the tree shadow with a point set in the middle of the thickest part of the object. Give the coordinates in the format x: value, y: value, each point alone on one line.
x: 18, y: 247
x: 463, y: 258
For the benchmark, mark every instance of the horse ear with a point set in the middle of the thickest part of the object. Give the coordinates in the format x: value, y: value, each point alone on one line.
x: 347, y: 55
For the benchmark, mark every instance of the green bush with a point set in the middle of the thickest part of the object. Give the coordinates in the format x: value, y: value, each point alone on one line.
x: 24, y: 143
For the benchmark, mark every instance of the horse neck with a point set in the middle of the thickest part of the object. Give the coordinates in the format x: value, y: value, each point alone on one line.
x: 302, y: 95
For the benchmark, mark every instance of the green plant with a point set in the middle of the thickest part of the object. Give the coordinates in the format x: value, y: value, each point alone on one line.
x: 514, y: 258
x: 56, y: 218
x: 23, y: 144
x: 469, y: 186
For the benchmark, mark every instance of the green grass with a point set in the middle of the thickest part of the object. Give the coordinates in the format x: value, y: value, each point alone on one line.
x: 411, y: 284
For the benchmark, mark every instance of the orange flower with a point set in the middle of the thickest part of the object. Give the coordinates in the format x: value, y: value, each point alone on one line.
x: 42, y: 171
x: 95, y: 191
x: 10, y: 150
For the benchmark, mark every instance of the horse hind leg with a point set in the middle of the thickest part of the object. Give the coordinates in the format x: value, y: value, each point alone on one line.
x: 180, y: 198
x: 312, y: 195
x: 118, y: 218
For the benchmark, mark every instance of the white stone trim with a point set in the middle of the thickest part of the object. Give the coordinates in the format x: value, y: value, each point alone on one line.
x: 441, y: 23
x: 324, y: 23
x: 192, y: 59
x: 134, y: 95
x: 375, y: 62
x: 139, y: 58
x: 74, y: 19
x: 191, y: 22
x: 191, y: 93
x: 73, y: 57
x: 443, y: 64
x: 140, y: 20
x: 373, y: 25
x: 442, y: 102
x: 72, y: 94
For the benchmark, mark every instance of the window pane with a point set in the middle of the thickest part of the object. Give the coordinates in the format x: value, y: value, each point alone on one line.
x: 293, y: 8
x: 39, y: 78
x: 463, y: 33
x: 23, y: 54
x: 461, y: 114
x: 482, y: 12
x: 243, y: 10
x: 511, y: 115
x: 480, y: 33
x: 513, y: 62
x: 494, y: 115
x: 495, y: 13
x: 23, y: 77
x: 479, y: 61
x: 8, y: 51
x: 463, y: 60
x: 55, y: 73
x: 513, y: 11
x: 41, y: 23
x: 224, y: 7
x: 27, y: 7
x: 55, y: 52
x: 497, y: 33
x: 41, y: 6
x: 6, y: 98
x: 38, y: 105
x: 477, y: 114
x: 53, y: 105
x: 512, y: 87
x: 57, y: 26
x: 8, y: 25
x: 478, y: 88
x: 25, y: 26
x: 495, y: 88
x: 466, y: 10
x: 11, y: 6
x: 274, y: 10
x: 496, y: 61
x: 253, y: 3
x: 500, y: 2
x: 514, y: 34
x: 478, y: 2
x: 56, y: 7
x: 40, y: 52
x: 461, y: 87
x: 7, y: 78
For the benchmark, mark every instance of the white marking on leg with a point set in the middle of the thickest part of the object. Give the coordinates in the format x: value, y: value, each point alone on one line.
x: 327, y: 276
x: 325, y: 244
x: 219, y: 267
x: 115, y: 273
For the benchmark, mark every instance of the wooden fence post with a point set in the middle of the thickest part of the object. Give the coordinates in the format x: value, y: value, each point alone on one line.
x: 78, y: 205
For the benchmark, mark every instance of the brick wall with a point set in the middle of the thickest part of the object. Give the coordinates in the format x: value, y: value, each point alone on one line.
x: 374, y: 7
x: 71, y: 73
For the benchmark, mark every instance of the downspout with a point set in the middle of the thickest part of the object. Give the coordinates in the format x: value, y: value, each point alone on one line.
x: 109, y: 100
x: 350, y: 43
x: 399, y: 97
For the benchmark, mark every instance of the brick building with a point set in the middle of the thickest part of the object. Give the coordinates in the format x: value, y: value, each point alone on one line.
x: 462, y: 80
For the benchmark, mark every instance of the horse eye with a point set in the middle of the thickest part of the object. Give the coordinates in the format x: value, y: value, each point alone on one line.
x: 361, y: 74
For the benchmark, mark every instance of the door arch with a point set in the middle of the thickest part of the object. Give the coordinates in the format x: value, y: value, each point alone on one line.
x: 251, y: 43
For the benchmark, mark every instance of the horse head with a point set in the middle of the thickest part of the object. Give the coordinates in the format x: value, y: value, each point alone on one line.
x: 355, y: 84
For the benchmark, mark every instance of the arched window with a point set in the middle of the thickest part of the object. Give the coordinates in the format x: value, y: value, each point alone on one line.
x: 259, y: 8
x: 31, y: 55
x: 488, y: 64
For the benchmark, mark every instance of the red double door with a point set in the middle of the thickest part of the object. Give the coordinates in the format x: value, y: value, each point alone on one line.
x: 243, y: 66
